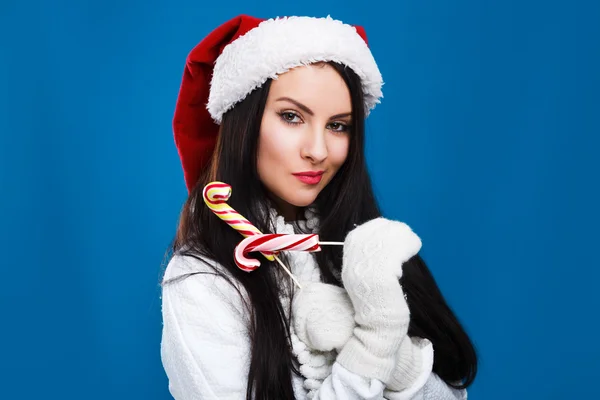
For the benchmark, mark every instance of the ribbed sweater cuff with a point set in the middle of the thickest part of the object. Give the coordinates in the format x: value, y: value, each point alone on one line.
x: 356, y: 357
x: 409, y: 365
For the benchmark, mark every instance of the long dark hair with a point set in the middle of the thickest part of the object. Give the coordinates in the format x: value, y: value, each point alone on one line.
x: 347, y: 201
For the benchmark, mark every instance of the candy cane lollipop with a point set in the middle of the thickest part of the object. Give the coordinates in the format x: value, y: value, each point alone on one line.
x: 274, y: 243
x: 215, y: 196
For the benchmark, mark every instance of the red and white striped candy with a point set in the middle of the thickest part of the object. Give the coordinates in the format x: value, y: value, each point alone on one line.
x: 215, y: 196
x: 272, y: 243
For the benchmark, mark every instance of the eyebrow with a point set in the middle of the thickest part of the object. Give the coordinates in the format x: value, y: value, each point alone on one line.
x: 308, y: 110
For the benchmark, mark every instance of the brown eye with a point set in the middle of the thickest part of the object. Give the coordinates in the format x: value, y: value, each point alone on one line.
x: 290, y: 117
x: 338, y: 127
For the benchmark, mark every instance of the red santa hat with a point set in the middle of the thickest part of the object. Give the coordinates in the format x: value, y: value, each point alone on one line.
x: 240, y: 56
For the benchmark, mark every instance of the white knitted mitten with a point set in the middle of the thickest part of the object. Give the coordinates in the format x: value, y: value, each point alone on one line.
x: 323, y: 316
x: 372, y: 266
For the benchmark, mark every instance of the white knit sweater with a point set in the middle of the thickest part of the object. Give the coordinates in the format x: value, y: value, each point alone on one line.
x: 206, y: 352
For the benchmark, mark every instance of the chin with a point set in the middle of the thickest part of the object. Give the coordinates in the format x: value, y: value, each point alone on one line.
x: 300, y: 199
x: 303, y: 202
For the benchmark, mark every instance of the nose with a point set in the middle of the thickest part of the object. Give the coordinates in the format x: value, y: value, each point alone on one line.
x: 314, y: 147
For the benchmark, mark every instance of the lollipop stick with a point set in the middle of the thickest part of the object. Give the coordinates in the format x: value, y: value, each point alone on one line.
x: 288, y: 271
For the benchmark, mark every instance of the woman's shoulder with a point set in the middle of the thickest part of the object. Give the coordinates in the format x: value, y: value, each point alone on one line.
x: 182, y: 265
x: 205, y: 328
x: 201, y: 279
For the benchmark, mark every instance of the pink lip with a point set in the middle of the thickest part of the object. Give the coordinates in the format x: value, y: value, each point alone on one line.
x: 310, y: 177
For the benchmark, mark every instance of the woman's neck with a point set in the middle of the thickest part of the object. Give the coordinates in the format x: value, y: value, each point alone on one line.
x: 288, y: 211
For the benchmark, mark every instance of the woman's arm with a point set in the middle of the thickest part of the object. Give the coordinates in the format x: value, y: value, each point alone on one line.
x: 205, y: 349
x: 323, y: 312
x: 342, y: 383
x: 434, y: 389
x: 324, y: 321
x: 346, y: 384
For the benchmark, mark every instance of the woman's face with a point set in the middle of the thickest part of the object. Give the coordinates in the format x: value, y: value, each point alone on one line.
x: 304, y: 135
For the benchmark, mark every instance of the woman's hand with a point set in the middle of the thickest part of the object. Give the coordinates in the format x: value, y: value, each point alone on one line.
x: 323, y: 316
x: 372, y: 266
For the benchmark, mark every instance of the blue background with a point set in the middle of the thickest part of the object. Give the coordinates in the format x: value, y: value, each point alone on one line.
x: 485, y: 143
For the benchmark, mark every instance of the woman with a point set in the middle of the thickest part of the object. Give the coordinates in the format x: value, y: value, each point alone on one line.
x: 276, y: 109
